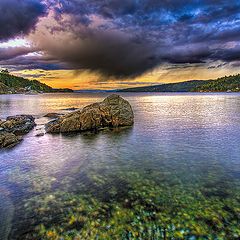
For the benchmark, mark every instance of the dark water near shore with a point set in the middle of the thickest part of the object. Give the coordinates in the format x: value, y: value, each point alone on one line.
x: 174, y: 175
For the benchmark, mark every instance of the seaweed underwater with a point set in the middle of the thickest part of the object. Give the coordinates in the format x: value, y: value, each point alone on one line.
x: 99, y: 200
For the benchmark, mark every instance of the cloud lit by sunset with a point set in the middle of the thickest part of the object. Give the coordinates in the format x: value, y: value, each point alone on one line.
x: 118, y: 44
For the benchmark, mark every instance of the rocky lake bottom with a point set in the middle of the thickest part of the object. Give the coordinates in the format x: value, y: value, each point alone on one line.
x: 174, y: 175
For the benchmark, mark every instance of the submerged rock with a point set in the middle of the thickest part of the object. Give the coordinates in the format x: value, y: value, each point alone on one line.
x: 113, y: 111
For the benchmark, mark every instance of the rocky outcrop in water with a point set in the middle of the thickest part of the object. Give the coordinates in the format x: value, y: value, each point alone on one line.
x: 19, y: 124
x: 113, y: 111
x: 13, y: 128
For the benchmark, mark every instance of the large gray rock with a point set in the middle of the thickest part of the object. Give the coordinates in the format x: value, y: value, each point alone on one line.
x: 113, y: 111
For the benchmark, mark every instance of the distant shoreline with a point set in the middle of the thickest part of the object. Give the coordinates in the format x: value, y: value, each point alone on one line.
x: 97, y: 92
x: 10, y: 84
x: 224, y: 84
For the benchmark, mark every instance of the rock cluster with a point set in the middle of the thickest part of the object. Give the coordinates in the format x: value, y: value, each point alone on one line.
x: 13, y: 128
x: 113, y: 111
x: 19, y: 125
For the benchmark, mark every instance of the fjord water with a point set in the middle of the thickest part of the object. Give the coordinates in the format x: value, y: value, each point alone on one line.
x: 175, y: 174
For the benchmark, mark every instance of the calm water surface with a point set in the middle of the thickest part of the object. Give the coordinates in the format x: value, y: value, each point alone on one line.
x: 174, y: 175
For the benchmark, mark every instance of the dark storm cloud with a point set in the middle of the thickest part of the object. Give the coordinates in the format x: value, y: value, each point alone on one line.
x: 11, y: 53
x: 21, y: 62
x: 227, y: 55
x: 18, y: 16
x: 110, y: 54
x: 126, y: 38
x: 136, y: 36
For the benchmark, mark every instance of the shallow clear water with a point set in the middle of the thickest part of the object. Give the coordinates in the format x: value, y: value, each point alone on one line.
x: 174, y: 175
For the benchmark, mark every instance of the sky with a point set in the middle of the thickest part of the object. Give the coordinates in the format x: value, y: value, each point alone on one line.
x: 108, y: 44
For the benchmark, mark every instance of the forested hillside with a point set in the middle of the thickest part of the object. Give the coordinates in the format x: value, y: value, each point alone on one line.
x: 224, y: 84
x: 18, y: 84
x: 13, y: 84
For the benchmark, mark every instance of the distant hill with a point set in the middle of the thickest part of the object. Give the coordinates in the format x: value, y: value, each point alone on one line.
x: 170, y: 87
x: 13, y: 84
x: 224, y: 84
